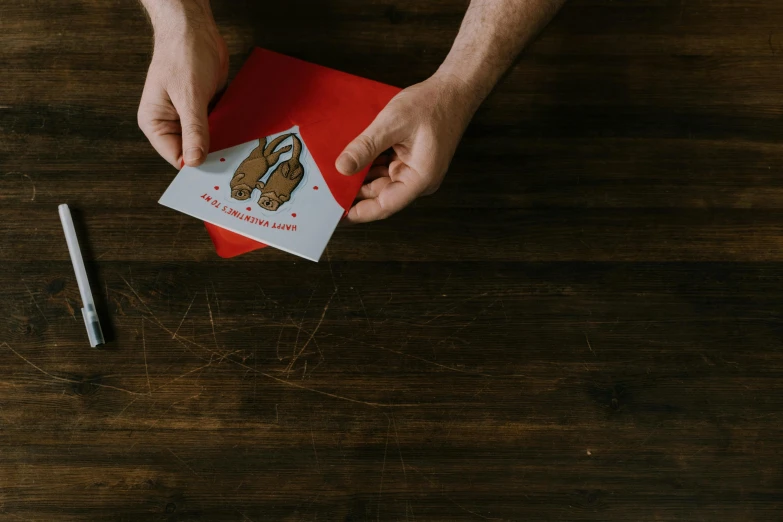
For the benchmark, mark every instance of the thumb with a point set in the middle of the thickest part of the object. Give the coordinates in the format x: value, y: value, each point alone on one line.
x: 195, y: 132
x: 384, y: 132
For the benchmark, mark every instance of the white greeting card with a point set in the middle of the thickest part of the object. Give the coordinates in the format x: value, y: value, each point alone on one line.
x: 269, y: 190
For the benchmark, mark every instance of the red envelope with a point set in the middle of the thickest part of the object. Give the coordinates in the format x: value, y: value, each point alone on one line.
x: 273, y: 92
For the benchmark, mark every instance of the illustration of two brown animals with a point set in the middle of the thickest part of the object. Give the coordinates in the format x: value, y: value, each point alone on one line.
x: 281, y: 183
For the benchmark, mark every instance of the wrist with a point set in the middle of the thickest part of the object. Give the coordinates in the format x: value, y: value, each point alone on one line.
x: 465, y: 96
x: 173, y: 19
x: 472, y: 71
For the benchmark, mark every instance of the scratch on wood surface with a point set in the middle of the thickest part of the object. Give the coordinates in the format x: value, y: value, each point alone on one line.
x: 163, y: 386
x: 183, y: 462
x: 291, y: 357
x: 217, y: 301
x: 428, y: 361
x: 125, y: 408
x: 367, y: 317
x: 321, y: 357
x: 70, y: 309
x: 63, y: 379
x: 255, y: 367
x: 588, y: 344
x: 327, y: 394
x: 211, y: 321
x: 136, y: 294
x: 440, y: 490
x: 654, y: 430
x: 320, y: 321
x: 259, y: 324
x: 448, y: 278
x: 383, y: 468
x: 312, y: 334
x: 262, y: 290
x: 456, y: 306
x: 33, y: 184
x: 183, y: 375
x: 312, y: 438
x: 189, y: 348
x: 277, y: 346
x: 734, y: 363
x: 35, y: 302
x: 183, y: 317
x: 229, y: 354
x: 163, y: 415
x: 144, y: 346
x: 245, y: 517
x: 481, y: 390
x: 299, y: 329
x: 105, y: 252
x: 329, y: 262
x: 286, y: 382
x: 176, y: 236
x: 399, y: 450
x: 391, y: 296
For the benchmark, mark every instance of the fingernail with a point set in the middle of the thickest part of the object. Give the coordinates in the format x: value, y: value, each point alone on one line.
x: 346, y: 164
x: 192, y: 154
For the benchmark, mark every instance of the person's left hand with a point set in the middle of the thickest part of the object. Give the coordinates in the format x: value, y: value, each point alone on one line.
x: 422, y: 126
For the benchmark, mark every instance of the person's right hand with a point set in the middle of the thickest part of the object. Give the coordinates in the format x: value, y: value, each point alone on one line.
x: 189, y: 66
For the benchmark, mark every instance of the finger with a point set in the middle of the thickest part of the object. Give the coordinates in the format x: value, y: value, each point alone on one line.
x: 372, y: 190
x: 387, y: 130
x: 158, y: 121
x: 393, y: 156
x: 394, y: 196
x: 169, y: 146
x: 166, y: 140
x: 195, y: 128
x: 377, y: 172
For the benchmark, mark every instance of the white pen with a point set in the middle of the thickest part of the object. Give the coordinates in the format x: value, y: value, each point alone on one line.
x: 94, y: 331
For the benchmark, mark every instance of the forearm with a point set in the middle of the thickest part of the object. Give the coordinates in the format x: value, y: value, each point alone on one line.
x: 492, y: 34
x: 172, y: 16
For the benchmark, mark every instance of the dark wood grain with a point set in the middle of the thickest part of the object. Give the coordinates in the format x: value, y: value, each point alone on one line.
x: 592, y: 331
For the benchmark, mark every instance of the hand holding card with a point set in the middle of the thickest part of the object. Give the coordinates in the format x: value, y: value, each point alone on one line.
x: 270, y: 177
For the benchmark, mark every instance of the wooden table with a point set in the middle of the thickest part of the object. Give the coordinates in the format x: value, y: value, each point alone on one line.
x: 583, y: 324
